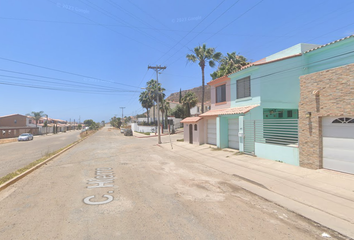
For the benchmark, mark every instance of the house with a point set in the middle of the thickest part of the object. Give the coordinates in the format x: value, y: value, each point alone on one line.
x: 15, y: 124
x: 256, y: 109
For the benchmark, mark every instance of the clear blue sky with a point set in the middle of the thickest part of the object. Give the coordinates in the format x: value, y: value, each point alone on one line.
x: 101, y: 49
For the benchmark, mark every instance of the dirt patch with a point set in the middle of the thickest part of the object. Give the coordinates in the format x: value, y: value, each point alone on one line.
x: 9, y: 140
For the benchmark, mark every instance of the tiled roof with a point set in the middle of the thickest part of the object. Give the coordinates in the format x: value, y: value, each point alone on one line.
x: 191, y: 120
x: 12, y: 115
x: 329, y: 43
x: 228, y: 111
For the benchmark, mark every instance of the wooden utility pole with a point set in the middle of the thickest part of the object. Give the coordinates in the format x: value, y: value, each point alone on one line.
x: 157, y: 69
x: 122, y: 113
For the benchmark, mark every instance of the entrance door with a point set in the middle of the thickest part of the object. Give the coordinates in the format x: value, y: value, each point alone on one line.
x: 191, y: 133
x: 211, y: 131
x: 233, y: 134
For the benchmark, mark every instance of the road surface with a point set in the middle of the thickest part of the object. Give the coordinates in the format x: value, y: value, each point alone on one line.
x: 115, y: 187
x: 16, y: 155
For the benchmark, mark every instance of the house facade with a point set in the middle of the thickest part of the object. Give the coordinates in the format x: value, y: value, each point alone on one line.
x: 256, y: 109
x: 15, y: 124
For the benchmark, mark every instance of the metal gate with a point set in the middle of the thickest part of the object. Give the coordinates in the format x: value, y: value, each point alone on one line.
x: 249, y: 139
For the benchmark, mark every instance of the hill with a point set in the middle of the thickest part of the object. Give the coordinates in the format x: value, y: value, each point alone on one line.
x: 174, y: 97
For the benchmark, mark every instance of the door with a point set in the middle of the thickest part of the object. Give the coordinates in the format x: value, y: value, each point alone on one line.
x: 338, y: 143
x: 233, y: 133
x: 211, y: 131
x: 191, y: 133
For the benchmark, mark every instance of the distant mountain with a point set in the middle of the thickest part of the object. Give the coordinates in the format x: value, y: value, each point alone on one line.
x: 174, y: 97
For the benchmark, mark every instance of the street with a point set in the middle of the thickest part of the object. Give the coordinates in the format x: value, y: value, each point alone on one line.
x: 115, y: 187
x: 16, y: 155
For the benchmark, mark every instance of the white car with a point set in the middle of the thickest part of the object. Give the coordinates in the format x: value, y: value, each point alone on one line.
x: 25, y: 137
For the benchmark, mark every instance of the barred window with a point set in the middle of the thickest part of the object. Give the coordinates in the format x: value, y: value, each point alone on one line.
x: 243, y: 87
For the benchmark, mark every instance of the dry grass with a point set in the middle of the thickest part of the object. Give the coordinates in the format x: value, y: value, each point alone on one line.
x: 8, y: 140
x: 87, y: 133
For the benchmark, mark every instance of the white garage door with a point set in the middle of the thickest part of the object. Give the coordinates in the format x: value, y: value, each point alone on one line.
x: 338, y: 143
x: 233, y: 134
x: 212, y: 131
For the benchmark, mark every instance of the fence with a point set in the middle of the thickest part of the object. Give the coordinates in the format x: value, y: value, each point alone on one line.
x: 270, y: 131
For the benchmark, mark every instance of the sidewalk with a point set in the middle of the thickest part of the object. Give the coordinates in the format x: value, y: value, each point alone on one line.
x: 324, y: 196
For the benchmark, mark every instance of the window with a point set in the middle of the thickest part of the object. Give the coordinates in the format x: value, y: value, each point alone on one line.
x: 243, y: 87
x: 344, y: 120
x: 195, y: 127
x: 290, y: 113
x: 221, y: 93
x: 280, y: 114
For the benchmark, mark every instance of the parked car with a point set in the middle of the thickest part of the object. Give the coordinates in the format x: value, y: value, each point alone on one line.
x: 25, y: 137
x: 122, y: 130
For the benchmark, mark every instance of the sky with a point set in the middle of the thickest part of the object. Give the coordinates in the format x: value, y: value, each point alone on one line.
x: 88, y: 59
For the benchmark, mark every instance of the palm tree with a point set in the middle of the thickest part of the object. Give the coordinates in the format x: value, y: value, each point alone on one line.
x: 229, y: 64
x: 146, y: 102
x: 167, y: 110
x: 36, y: 116
x: 155, y: 90
x: 189, y: 100
x: 202, y: 54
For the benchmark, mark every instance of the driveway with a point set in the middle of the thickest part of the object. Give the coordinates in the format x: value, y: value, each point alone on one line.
x: 16, y: 155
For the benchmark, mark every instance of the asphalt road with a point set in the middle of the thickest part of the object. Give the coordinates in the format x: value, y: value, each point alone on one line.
x: 115, y: 187
x: 16, y: 155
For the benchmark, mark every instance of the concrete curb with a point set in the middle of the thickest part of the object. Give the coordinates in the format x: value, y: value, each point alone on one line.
x: 165, y: 134
x: 22, y: 175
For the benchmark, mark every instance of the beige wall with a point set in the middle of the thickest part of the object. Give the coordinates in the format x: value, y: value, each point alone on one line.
x: 325, y: 93
x: 227, y: 104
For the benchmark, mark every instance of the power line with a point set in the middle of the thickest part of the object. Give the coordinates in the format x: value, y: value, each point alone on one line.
x: 66, y: 72
x: 223, y: 27
x: 114, y: 30
x: 191, y: 30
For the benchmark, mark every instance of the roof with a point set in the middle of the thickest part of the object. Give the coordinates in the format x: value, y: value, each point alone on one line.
x: 329, y: 43
x: 228, y: 111
x: 218, y: 80
x: 16, y: 114
x: 191, y: 120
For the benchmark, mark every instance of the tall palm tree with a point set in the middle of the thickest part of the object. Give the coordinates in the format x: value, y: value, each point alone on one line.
x: 189, y: 100
x: 155, y: 90
x: 202, y: 54
x: 36, y: 116
x: 146, y: 102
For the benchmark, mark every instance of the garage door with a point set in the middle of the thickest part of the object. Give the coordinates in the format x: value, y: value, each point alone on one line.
x: 212, y: 131
x: 233, y: 134
x: 338, y: 143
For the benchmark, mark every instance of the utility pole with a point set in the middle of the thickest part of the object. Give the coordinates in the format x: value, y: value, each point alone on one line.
x: 157, y: 69
x: 122, y: 113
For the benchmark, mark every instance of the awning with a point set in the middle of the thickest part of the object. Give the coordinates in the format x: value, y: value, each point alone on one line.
x: 191, y: 120
x: 228, y: 111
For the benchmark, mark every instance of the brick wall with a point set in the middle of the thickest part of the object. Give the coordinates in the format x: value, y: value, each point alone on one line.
x: 325, y: 93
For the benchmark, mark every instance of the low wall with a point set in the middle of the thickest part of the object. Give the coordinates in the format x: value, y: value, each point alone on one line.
x: 289, y: 155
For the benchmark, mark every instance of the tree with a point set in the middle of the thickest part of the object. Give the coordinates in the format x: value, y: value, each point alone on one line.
x: 179, y: 112
x: 180, y: 96
x: 202, y: 54
x: 88, y: 122
x: 229, y: 64
x: 36, y: 116
x: 146, y: 102
x: 79, y: 126
x: 189, y: 101
x: 167, y: 110
x: 155, y: 90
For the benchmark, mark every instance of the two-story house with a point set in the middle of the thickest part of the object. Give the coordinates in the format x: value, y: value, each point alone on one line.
x: 256, y: 109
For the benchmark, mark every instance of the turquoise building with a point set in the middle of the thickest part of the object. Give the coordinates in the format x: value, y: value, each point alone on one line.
x: 255, y: 109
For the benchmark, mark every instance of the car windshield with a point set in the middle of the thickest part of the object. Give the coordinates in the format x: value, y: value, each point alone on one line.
x: 24, y: 134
